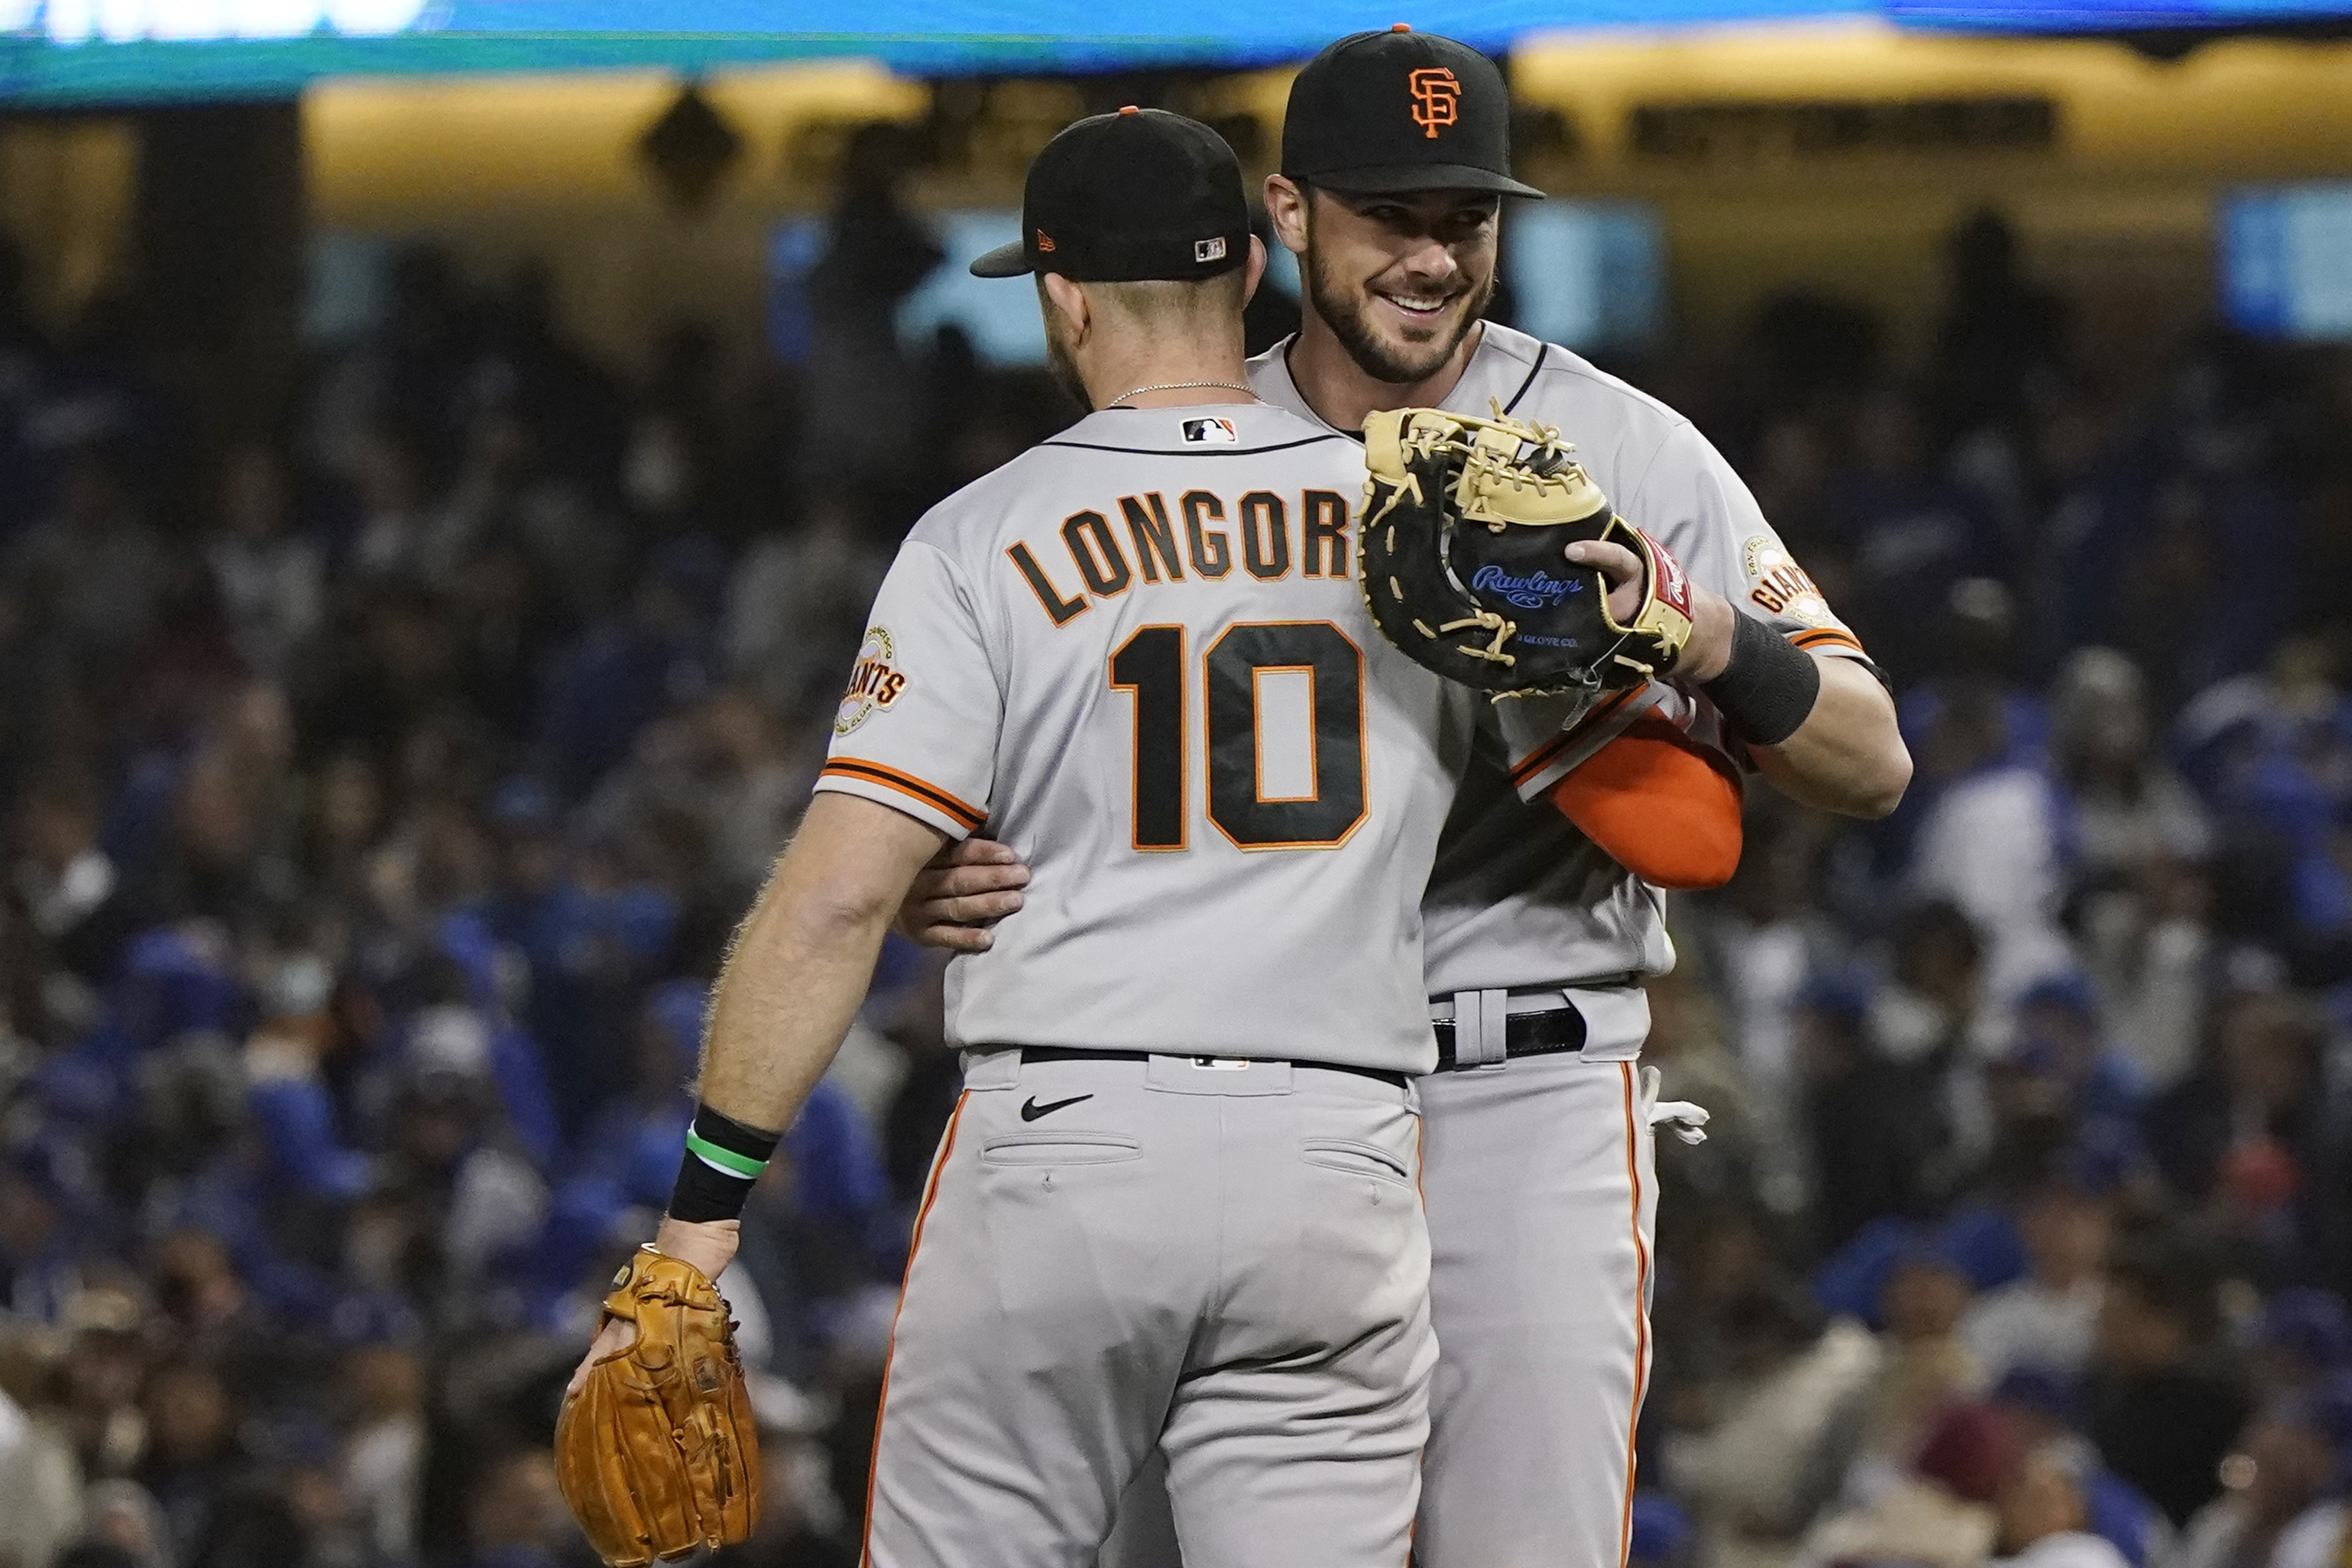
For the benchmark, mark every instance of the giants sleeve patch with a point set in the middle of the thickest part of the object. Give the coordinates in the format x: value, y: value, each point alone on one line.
x: 1779, y: 586
x: 874, y: 682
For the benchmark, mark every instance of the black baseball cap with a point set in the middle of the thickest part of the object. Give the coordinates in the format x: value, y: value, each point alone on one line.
x: 1119, y: 198
x: 1398, y: 111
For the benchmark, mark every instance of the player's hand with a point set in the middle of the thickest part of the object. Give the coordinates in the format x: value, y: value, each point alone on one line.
x: 966, y: 889
x: 709, y: 1246
x: 1710, y: 649
x: 1618, y: 567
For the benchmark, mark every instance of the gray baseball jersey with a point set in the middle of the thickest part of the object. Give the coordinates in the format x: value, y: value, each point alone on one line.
x: 1520, y: 899
x: 1137, y: 654
x: 1538, y: 1172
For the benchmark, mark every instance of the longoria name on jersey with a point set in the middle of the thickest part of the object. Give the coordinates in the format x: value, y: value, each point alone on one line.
x: 1267, y: 534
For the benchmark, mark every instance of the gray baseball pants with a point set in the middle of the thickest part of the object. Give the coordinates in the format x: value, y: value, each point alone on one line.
x: 1225, y: 1260
x: 1542, y: 1204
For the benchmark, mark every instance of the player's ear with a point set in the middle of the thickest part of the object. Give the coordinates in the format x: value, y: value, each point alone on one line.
x: 1061, y: 294
x: 1285, y: 205
x: 1255, y: 273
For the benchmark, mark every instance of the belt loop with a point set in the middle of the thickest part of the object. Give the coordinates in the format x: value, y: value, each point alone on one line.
x: 1495, y: 1026
x: 991, y: 1067
x: 1481, y: 1027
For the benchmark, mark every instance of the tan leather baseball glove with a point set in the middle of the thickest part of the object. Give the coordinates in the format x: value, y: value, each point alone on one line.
x: 1465, y: 521
x: 657, y: 1454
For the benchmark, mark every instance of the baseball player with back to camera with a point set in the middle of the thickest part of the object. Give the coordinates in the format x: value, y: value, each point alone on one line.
x: 1138, y: 653
x: 1539, y: 924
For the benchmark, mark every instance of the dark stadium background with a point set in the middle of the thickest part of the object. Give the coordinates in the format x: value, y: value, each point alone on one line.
x: 437, y: 513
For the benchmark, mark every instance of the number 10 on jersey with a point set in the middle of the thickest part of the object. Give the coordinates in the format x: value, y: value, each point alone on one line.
x: 1152, y: 667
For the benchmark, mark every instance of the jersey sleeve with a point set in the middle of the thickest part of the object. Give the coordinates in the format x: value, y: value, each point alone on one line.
x: 1548, y: 738
x: 917, y: 730
x: 1690, y: 501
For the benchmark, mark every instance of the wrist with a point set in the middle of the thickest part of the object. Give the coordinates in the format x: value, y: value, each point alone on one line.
x: 1708, y: 653
x: 708, y: 1245
x: 1767, y: 687
x: 722, y: 1159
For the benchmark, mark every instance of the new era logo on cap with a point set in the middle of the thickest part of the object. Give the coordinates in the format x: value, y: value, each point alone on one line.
x: 1129, y: 197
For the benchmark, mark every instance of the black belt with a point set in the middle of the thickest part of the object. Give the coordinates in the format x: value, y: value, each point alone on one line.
x: 1080, y: 1054
x: 1544, y: 1034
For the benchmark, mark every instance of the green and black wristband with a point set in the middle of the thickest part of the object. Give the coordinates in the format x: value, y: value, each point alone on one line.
x: 722, y: 1159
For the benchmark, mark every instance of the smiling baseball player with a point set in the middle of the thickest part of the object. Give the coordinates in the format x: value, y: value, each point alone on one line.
x: 1538, y: 1168
x: 1176, y: 1206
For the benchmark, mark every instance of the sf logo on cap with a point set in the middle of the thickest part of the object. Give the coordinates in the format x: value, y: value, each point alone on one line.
x: 1435, y: 95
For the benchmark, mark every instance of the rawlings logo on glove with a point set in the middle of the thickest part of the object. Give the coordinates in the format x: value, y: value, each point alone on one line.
x: 1462, y: 550
x: 1537, y: 590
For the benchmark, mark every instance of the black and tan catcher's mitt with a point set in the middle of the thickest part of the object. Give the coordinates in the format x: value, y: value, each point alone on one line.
x: 658, y: 1454
x: 1465, y: 525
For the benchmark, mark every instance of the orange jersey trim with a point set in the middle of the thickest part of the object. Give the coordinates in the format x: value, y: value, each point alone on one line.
x: 1641, y: 1312
x: 1825, y: 637
x: 882, y: 1404
x: 965, y: 815
x: 1543, y: 756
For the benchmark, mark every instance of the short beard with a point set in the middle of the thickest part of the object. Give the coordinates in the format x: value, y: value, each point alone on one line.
x: 1345, y: 316
x: 1065, y: 367
x: 1058, y: 357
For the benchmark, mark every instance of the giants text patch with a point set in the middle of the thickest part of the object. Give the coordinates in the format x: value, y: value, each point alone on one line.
x: 874, y: 682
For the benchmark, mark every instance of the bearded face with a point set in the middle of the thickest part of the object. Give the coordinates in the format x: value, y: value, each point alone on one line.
x: 1401, y: 279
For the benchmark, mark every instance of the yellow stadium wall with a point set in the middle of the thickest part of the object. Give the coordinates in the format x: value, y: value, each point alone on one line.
x: 2116, y: 214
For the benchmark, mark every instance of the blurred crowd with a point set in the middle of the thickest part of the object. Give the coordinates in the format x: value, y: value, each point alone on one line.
x: 2023, y: 1234
x: 384, y: 772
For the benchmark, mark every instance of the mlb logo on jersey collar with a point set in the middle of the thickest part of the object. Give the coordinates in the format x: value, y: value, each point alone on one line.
x: 1211, y: 432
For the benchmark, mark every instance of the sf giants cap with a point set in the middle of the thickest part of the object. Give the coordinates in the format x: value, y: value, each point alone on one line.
x: 1119, y: 198
x: 1399, y: 112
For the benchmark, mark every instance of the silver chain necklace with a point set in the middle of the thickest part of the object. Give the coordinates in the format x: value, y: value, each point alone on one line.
x: 1174, y: 386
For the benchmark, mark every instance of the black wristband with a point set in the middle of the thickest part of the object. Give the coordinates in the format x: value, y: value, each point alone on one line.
x: 723, y: 1159
x: 1769, y: 687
